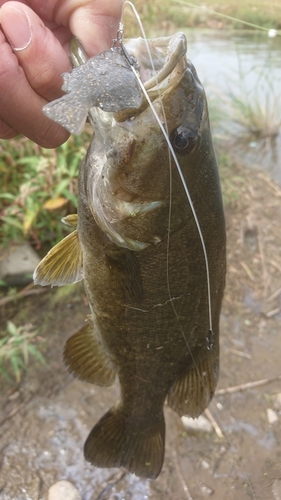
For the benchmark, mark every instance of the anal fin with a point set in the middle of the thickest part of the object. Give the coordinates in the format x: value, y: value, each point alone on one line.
x: 62, y: 264
x: 192, y: 392
x: 114, y: 443
x: 85, y: 357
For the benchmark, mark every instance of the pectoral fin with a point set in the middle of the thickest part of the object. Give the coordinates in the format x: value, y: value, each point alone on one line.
x: 192, y: 392
x: 85, y: 357
x: 62, y: 265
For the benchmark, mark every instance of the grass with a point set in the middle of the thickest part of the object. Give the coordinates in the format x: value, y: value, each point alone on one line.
x: 260, y: 12
x: 257, y: 110
x: 16, y: 346
x: 256, y: 120
x: 231, y: 185
x: 254, y: 104
x: 221, y: 14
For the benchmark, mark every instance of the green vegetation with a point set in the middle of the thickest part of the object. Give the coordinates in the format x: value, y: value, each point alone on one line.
x: 16, y: 346
x: 208, y: 14
x: 231, y: 185
x: 36, y: 183
x: 260, y: 12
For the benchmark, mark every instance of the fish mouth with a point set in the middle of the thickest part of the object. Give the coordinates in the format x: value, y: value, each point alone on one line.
x: 160, y: 60
x: 161, y: 63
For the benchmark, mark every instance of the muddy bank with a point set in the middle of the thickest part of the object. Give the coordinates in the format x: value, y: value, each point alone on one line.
x: 45, y: 420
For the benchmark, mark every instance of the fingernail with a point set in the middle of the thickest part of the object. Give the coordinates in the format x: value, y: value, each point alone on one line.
x: 17, y: 28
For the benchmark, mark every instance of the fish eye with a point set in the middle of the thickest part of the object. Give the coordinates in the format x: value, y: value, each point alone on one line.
x: 183, y: 140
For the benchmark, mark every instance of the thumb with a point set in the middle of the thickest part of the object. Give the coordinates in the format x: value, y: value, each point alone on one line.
x: 95, y: 24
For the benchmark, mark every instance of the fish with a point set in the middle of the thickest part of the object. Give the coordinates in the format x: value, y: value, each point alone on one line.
x: 155, y: 300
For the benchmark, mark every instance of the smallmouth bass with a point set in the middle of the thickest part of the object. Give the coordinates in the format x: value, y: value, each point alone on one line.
x: 138, y: 250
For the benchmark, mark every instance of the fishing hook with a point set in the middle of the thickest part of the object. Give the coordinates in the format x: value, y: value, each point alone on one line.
x: 119, y: 39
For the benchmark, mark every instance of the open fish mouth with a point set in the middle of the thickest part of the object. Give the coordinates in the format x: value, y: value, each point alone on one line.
x: 161, y: 62
x: 160, y: 59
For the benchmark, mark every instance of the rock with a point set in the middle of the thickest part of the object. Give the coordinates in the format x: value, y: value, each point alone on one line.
x: 277, y: 401
x: 272, y: 416
x: 17, y: 265
x: 276, y: 489
x: 63, y: 490
x: 205, y: 464
x: 206, y: 490
x: 200, y: 424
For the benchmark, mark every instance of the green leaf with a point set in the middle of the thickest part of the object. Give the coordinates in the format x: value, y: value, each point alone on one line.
x: 5, y: 374
x: 7, y: 196
x: 37, y: 354
x: 15, y: 362
x: 28, y: 160
x: 61, y: 186
x: 11, y: 328
x: 11, y: 221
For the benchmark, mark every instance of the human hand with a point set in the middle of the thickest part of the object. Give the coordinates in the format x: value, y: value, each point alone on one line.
x: 34, y: 41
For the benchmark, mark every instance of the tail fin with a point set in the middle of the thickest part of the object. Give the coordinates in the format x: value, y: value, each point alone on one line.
x: 113, y: 443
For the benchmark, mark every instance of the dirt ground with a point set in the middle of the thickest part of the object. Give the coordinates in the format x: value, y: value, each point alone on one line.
x: 45, y: 419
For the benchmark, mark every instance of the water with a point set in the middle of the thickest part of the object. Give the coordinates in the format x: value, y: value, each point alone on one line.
x: 222, y: 58
x: 246, y: 65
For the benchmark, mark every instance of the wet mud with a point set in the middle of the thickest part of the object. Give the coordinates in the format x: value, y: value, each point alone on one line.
x: 45, y: 419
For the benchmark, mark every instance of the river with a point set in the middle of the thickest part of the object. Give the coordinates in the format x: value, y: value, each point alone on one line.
x: 241, y: 71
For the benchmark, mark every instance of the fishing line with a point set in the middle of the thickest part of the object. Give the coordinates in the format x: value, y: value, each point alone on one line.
x: 206, y: 260
x: 127, y: 2
x: 171, y: 152
x: 186, y: 192
x: 207, y: 268
x: 225, y: 16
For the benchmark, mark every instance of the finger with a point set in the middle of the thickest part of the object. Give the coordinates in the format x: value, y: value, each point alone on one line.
x: 7, y: 132
x: 39, y: 52
x: 21, y: 106
x: 96, y: 24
